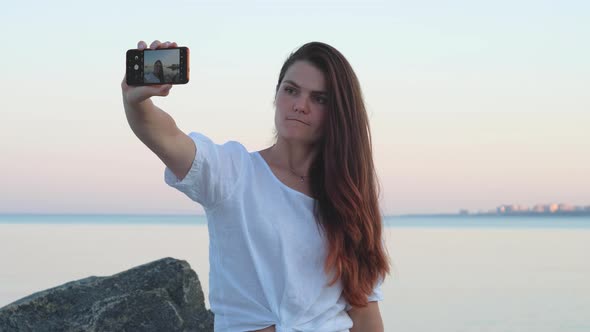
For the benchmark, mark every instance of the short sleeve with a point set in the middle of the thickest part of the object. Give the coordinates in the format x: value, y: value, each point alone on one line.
x: 376, y: 295
x: 214, y: 172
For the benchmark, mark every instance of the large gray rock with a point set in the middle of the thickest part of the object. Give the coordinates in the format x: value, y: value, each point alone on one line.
x: 164, y: 295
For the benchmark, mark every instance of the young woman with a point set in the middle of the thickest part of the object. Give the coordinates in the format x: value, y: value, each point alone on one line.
x: 295, y: 229
x: 157, y: 76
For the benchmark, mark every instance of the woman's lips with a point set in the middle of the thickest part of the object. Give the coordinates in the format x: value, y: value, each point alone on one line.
x: 298, y: 121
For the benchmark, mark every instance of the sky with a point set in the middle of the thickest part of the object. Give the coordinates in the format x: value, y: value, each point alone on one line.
x: 472, y: 104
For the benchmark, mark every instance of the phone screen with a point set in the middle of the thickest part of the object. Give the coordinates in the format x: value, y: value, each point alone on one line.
x: 160, y: 66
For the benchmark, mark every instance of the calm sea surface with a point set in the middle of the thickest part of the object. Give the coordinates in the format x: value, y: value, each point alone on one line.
x: 449, y: 274
x: 436, y: 222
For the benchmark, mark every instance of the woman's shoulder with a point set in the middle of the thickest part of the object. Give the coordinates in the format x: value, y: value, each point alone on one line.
x: 151, y: 78
x: 220, y: 146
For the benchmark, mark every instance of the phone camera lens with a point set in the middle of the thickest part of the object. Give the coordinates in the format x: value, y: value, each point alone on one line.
x: 136, y: 67
x: 136, y: 57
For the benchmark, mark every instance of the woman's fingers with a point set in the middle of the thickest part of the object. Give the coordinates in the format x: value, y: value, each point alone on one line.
x: 168, y: 44
x: 155, y: 44
x: 165, y: 89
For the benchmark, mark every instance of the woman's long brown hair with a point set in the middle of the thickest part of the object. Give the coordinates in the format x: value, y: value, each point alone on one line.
x: 343, y: 179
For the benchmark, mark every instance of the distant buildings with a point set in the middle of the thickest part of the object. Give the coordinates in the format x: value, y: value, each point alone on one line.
x: 566, y: 207
x: 511, y: 208
x: 544, y: 209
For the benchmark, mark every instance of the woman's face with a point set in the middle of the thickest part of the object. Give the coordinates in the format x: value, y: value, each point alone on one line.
x: 301, y: 103
x: 157, y: 67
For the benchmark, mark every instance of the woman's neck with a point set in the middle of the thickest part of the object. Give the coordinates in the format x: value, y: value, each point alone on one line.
x: 294, y: 156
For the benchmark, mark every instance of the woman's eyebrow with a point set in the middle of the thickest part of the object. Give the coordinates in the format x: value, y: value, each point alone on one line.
x: 297, y: 86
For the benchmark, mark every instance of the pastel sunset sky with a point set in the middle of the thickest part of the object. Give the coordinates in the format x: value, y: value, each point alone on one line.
x: 472, y: 104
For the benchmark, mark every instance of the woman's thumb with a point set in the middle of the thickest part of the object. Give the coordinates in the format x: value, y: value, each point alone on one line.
x: 165, y: 89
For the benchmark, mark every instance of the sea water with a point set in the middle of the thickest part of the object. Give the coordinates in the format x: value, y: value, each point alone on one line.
x: 449, y: 274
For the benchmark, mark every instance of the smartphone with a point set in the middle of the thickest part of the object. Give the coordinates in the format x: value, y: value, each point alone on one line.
x: 159, y: 66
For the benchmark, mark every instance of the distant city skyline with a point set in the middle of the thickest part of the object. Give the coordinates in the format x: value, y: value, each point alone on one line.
x: 505, y: 209
x: 548, y: 208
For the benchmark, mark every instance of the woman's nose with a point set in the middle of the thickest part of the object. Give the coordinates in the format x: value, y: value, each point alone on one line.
x: 300, y: 105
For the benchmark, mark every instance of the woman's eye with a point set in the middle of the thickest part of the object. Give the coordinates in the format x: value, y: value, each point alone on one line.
x: 289, y: 90
x: 321, y: 100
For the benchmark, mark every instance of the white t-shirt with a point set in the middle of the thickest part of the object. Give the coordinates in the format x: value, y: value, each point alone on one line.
x: 151, y: 78
x: 266, y: 251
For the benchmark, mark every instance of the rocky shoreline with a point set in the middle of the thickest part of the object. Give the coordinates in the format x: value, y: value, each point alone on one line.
x: 164, y: 295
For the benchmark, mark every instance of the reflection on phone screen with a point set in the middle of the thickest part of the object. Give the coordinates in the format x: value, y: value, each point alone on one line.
x: 161, y: 66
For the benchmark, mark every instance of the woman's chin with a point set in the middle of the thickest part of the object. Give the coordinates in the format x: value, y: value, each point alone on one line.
x: 302, y: 139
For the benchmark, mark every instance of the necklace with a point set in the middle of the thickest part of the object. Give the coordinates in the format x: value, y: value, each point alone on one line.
x: 301, y: 177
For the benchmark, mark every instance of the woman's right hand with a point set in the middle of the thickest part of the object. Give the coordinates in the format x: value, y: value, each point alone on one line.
x: 134, y: 95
